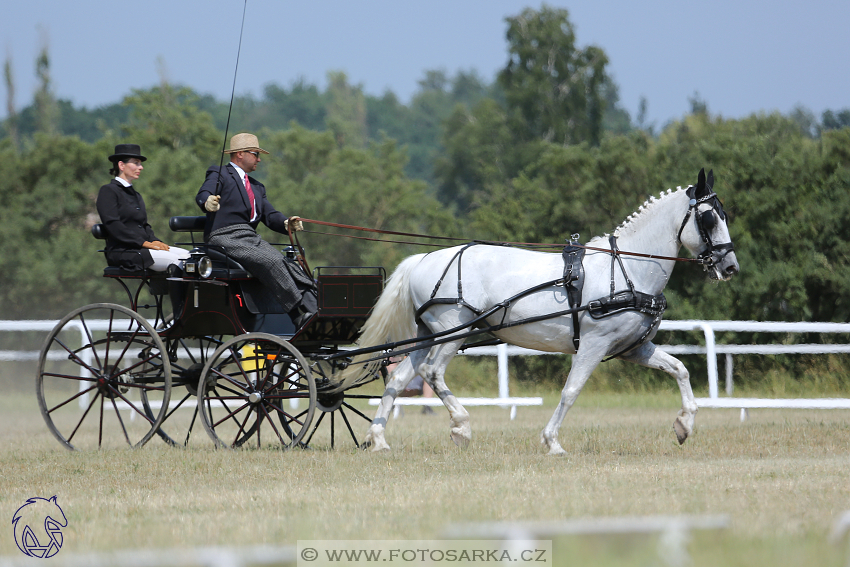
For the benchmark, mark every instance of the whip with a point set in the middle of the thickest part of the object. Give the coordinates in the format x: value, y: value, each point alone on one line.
x: 232, y: 94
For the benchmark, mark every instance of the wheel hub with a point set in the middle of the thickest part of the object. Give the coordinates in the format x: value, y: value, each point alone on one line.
x: 107, y: 384
x: 255, y: 397
x: 191, y: 376
x: 330, y: 402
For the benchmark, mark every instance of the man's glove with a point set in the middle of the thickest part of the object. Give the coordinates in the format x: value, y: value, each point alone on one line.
x: 212, y: 203
x: 296, y: 224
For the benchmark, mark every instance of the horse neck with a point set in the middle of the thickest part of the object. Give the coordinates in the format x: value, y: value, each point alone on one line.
x: 653, y: 230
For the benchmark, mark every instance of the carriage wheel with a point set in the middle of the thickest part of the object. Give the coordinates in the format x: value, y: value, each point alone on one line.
x: 95, y: 368
x: 336, y: 404
x: 188, y: 357
x: 256, y: 387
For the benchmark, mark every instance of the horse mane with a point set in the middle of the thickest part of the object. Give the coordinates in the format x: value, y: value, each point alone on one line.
x: 637, y: 218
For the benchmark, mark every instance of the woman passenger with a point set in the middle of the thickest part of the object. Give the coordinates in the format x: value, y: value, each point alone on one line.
x: 130, y: 241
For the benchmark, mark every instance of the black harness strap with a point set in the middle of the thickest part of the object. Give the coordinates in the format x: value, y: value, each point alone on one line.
x: 447, y: 300
x: 574, y: 282
x: 627, y: 300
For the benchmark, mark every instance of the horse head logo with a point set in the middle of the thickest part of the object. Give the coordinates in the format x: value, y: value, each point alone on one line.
x: 38, y: 527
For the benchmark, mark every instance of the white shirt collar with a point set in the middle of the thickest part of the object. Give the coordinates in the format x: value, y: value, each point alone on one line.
x: 123, y: 182
x: 240, y: 171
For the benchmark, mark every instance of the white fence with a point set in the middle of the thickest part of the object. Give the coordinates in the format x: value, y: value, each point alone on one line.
x: 711, y: 350
x: 504, y: 399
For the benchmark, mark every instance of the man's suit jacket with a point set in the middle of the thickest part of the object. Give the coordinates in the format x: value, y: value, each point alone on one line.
x: 122, y: 212
x: 235, y: 207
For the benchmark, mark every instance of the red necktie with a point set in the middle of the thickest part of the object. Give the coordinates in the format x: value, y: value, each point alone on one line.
x: 250, y: 195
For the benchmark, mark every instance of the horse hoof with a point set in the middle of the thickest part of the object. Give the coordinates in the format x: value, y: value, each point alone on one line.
x: 460, y: 440
x: 681, y: 431
x: 554, y: 447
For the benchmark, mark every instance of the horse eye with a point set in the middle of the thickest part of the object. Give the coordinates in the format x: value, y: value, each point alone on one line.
x: 709, y: 221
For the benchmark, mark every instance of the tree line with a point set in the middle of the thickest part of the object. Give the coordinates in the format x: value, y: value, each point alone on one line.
x: 543, y: 151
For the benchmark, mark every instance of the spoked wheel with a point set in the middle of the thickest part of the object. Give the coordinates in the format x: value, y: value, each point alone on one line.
x: 96, y: 367
x: 188, y: 357
x: 336, y: 404
x: 256, y: 387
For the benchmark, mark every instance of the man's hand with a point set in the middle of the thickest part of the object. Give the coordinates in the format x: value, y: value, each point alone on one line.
x: 296, y: 224
x: 212, y: 203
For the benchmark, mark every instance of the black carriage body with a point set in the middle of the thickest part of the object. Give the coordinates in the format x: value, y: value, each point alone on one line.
x: 231, y: 302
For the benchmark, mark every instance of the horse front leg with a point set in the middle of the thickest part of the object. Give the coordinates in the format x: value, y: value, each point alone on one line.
x: 584, y: 363
x: 652, y: 357
x: 401, y: 377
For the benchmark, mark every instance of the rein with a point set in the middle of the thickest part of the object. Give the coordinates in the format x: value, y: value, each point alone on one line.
x: 496, y: 243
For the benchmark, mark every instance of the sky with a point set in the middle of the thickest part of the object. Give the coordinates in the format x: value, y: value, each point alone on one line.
x: 739, y: 56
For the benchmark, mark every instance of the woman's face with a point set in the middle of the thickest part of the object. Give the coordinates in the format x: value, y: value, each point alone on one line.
x: 130, y: 169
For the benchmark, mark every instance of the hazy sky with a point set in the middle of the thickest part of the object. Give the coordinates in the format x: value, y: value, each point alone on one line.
x: 741, y: 56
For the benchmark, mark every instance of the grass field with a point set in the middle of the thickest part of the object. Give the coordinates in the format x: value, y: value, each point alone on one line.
x: 783, y: 477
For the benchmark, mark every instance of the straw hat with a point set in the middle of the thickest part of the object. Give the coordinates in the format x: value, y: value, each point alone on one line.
x: 244, y: 143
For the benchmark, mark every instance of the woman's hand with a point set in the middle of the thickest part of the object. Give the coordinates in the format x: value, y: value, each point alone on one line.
x: 156, y: 245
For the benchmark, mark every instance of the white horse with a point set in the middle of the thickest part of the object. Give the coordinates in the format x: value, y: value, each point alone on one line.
x: 445, y: 290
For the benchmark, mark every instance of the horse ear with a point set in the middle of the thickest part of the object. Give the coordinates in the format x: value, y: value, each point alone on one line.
x: 710, y: 181
x: 701, y: 183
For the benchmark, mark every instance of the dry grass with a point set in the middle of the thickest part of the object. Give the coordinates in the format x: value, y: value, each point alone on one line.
x: 782, y: 477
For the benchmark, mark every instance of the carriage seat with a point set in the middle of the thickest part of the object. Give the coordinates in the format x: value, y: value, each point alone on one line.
x: 99, y: 232
x: 225, y: 266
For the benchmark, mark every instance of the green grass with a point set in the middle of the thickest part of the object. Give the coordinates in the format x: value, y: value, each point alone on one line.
x: 781, y: 477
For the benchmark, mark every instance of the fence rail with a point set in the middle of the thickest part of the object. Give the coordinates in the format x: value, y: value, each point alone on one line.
x: 711, y: 349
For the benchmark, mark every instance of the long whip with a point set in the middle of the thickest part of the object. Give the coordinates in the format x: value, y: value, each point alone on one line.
x: 232, y: 94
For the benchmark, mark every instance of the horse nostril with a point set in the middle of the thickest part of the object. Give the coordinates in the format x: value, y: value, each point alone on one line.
x: 732, y: 270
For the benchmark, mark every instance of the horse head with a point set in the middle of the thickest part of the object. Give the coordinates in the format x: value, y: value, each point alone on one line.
x: 707, y: 237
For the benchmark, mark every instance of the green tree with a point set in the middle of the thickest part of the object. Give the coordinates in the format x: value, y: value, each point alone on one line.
x: 11, y: 120
x: 555, y: 87
x: 346, y: 111
x: 49, y: 257
x: 47, y: 111
x: 317, y: 179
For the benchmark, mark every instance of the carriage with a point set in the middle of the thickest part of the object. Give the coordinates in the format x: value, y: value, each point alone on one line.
x: 253, y: 379
x: 226, y: 357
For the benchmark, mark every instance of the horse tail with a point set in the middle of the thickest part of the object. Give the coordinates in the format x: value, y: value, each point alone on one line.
x: 391, y: 319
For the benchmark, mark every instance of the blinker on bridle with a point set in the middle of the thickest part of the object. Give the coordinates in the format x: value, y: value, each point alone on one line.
x: 706, y: 221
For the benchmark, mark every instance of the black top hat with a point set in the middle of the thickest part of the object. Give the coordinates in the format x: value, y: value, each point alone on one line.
x: 127, y: 151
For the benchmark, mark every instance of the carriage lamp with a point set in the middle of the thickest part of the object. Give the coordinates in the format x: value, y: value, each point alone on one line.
x: 205, y: 267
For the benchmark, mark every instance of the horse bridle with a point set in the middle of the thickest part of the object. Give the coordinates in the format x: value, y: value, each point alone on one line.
x: 705, y: 221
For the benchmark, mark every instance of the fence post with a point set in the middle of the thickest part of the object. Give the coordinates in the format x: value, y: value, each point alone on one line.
x: 711, y: 356
x: 729, y: 384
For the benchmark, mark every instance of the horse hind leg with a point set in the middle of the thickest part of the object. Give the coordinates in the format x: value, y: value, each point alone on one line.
x: 652, y: 357
x: 400, y: 378
x: 433, y: 371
